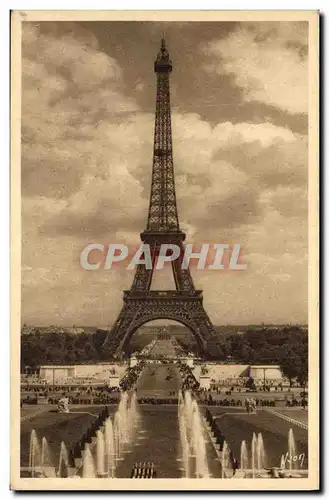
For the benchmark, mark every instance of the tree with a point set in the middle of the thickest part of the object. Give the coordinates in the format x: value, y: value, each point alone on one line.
x: 288, y: 365
x: 250, y: 384
x: 294, y: 363
x: 302, y: 377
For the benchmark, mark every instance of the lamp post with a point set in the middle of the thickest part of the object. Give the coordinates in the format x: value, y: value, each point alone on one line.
x: 264, y: 379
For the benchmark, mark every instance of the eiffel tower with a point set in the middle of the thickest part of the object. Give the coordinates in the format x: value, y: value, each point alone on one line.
x: 140, y: 304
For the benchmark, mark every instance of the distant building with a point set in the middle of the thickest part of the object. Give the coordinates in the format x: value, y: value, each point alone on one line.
x: 164, y: 334
x: 110, y: 373
x: 226, y: 374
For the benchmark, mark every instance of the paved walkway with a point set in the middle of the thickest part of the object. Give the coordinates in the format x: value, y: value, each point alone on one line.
x: 158, y: 439
x: 159, y: 381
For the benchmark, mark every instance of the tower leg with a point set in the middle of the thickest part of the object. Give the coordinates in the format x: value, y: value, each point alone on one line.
x: 185, y: 310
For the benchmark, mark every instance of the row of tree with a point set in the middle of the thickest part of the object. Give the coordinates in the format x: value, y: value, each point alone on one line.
x: 62, y: 348
x: 286, y: 346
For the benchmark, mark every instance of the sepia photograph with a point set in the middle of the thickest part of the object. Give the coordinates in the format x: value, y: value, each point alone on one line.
x: 164, y: 250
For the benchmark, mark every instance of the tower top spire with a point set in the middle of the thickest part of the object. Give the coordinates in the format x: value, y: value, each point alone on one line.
x: 163, y: 63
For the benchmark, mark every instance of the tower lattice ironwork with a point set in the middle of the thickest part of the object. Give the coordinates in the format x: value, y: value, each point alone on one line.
x: 140, y: 303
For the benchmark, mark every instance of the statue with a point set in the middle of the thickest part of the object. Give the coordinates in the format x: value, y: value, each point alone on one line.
x: 204, y: 370
x: 63, y: 405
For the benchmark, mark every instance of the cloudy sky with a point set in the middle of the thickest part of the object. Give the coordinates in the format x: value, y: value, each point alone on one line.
x: 239, y: 102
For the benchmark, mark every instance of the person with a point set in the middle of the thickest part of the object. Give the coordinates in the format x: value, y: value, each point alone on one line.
x: 63, y: 405
x: 235, y: 465
x: 274, y: 472
x: 134, y: 471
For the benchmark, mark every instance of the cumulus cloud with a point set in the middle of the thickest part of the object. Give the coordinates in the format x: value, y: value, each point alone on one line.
x: 268, y: 62
x: 223, y: 171
x: 86, y: 174
x: 68, y: 89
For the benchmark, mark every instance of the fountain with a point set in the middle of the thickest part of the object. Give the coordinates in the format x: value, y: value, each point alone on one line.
x: 260, y: 453
x: 188, y: 408
x: 114, y: 435
x: 63, y: 465
x: 290, y: 463
x: 112, y: 440
x: 291, y: 449
x: 253, y: 454
x: 244, y: 462
x: 133, y: 409
x: 292, y: 458
x: 34, y: 454
x: 109, y: 447
x: 40, y: 459
x: 192, y: 440
x: 122, y: 418
x: 46, y: 457
x: 224, y: 459
x: 88, y: 466
x: 185, y: 448
x: 199, y: 445
x: 258, y: 457
x: 183, y: 431
x: 100, y: 453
